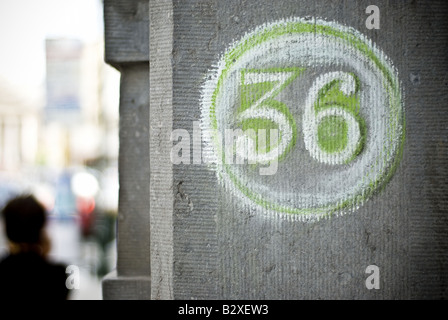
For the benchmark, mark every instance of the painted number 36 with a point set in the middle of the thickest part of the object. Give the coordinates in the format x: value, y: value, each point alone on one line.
x: 332, y: 128
x: 338, y: 131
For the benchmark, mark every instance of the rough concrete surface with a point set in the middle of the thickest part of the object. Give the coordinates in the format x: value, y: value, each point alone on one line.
x: 210, y: 241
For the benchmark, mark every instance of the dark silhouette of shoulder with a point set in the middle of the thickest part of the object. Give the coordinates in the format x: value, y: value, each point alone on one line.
x: 30, y: 276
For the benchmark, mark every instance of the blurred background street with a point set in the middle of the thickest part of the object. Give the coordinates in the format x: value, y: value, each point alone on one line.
x: 59, y: 128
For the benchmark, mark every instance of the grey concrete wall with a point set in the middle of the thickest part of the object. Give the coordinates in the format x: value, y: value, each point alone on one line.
x: 205, y: 242
x: 222, y: 249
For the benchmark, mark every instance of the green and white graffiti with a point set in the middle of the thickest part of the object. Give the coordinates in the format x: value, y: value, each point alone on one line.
x: 333, y: 97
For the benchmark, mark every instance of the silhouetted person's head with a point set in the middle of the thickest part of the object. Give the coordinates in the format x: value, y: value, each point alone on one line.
x: 25, y: 273
x: 24, y: 219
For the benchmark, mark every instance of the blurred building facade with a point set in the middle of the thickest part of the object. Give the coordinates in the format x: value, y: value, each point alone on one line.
x: 80, y: 124
x: 76, y: 122
x: 19, y: 128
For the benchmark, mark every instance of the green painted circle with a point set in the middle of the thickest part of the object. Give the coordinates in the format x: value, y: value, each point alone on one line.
x: 353, y: 39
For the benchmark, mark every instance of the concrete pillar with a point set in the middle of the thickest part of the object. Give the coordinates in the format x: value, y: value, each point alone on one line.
x: 127, y: 49
x: 338, y: 211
